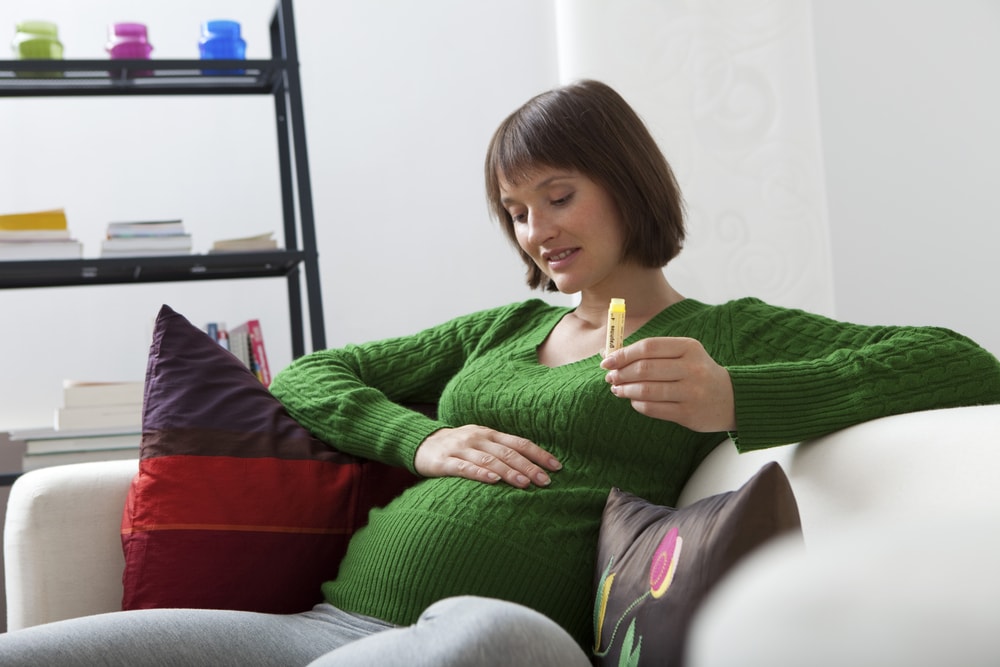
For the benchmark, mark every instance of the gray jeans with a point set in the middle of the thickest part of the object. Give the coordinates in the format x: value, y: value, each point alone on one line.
x: 457, y: 631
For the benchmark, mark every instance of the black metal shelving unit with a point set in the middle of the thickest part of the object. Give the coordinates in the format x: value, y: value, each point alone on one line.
x: 277, y: 77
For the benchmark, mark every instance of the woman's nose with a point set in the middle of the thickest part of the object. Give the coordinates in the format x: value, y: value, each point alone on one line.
x: 540, y: 228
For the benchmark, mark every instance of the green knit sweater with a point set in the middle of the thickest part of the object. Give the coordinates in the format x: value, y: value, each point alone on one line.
x: 795, y: 376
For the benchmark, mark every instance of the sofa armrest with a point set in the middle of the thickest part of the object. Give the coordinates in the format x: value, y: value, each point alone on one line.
x: 900, y: 517
x: 62, y: 542
x: 895, y: 467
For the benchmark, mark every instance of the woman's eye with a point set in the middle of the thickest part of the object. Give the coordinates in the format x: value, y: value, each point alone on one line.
x: 517, y: 217
x: 562, y: 201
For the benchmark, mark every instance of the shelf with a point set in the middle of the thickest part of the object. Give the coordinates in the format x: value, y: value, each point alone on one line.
x: 277, y: 77
x: 124, y: 270
x: 39, y: 78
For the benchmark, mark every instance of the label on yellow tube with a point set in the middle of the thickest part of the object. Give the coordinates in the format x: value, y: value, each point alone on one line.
x: 616, y: 326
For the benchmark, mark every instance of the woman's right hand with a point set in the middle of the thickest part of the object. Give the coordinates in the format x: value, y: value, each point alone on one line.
x: 485, y: 455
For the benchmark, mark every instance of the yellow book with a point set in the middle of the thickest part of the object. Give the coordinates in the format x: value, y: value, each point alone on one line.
x: 53, y: 219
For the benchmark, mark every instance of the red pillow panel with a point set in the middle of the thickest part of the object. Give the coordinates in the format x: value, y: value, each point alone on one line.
x: 247, y: 494
x: 230, y: 569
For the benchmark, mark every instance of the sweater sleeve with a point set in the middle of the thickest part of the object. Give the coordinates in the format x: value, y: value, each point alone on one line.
x: 350, y: 397
x: 800, y: 376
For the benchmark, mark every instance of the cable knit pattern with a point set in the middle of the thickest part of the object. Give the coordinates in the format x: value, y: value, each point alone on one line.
x: 795, y: 376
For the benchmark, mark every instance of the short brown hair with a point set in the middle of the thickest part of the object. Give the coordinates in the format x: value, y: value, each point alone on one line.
x: 587, y: 127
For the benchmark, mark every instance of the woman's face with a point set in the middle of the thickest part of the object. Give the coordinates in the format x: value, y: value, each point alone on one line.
x: 567, y: 224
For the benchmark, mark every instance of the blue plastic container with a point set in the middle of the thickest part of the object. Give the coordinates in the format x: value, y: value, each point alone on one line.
x: 221, y: 40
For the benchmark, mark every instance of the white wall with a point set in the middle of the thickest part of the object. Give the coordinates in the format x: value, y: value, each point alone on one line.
x: 910, y: 102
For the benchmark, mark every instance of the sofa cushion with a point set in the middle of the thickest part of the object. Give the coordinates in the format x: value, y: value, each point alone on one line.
x: 235, y: 505
x: 656, y: 564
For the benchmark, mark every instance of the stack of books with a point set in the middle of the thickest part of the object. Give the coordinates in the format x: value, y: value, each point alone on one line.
x: 97, y: 421
x: 38, y: 235
x: 246, y: 244
x: 246, y: 342
x: 47, y: 447
x: 145, y: 238
x: 100, y: 405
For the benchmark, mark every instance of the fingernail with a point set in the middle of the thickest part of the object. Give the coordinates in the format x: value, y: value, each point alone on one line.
x: 554, y: 464
x: 522, y: 480
x: 542, y: 479
x: 493, y: 477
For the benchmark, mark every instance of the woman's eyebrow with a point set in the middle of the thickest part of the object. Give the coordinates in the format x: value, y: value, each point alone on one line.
x: 539, y: 186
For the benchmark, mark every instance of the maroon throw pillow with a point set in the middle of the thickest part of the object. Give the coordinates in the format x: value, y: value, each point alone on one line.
x: 235, y: 505
x: 656, y: 564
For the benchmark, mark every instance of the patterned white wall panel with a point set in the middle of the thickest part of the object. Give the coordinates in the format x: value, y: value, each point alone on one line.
x: 728, y: 89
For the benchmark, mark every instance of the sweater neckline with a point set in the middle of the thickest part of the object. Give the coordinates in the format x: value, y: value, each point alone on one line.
x: 675, y: 311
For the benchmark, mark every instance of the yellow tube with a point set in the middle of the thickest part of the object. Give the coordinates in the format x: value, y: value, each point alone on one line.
x: 616, y: 326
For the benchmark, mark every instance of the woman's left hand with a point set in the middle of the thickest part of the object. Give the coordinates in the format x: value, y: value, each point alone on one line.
x: 676, y: 380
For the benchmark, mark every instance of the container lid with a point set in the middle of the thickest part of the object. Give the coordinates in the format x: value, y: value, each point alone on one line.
x: 221, y: 28
x: 128, y: 29
x: 46, y: 28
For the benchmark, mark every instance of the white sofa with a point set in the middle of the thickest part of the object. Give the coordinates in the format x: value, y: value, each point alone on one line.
x: 901, y: 518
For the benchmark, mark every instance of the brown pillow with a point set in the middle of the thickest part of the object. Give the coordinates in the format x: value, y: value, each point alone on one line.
x: 656, y: 564
x: 236, y: 505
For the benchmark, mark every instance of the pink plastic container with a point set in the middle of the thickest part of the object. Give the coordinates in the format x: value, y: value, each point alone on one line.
x: 128, y: 41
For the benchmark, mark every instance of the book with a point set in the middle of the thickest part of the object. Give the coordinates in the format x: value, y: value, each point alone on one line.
x: 34, y: 235
x: 246, y: 341
x: 134, y: 244
x: 83, y: 394
x: 38, y: 235
x: 145, y: 228
x: 33, y: 250
x: 259, y: 353
x: 246, y: 243
x: 98, y: 416
x: 51, y: 441
x: 239, y: 345
x: 42, y: 447
x: 51, y: 219
x: 217, y: 331
x: 35, y: 461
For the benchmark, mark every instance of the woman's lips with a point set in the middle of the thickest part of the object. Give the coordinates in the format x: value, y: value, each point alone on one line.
x: 560, y: 257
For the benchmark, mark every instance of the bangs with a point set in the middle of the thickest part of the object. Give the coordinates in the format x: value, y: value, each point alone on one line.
x: 526, y: 142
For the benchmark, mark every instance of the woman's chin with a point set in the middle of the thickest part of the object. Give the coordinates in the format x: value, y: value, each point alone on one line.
x: 564, y: 286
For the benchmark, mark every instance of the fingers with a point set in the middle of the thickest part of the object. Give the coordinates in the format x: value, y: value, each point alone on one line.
x: 673, y: 379
x: 485, y: 455
x: 517, y: 461
x: 638, y: 357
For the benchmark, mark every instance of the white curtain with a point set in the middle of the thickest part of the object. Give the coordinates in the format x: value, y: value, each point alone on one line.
x: 728, y: 88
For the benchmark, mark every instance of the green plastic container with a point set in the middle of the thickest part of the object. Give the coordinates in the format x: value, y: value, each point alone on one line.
x: 37, y: 40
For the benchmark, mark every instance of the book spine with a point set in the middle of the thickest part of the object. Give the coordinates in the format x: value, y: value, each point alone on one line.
x: 98, y: 417
x: 54, y: 219
x: 94, y: 443
x: 239, y: 345
x: 35, y: 461
x: 222, y: 338
x: 99, y: 395
x: 263, y: 371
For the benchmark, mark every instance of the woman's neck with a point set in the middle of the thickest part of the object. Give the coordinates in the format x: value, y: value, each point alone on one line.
x: 645, y: 296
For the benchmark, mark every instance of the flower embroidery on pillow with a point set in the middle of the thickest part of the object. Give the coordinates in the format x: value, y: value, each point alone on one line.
x: 662, y: 568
